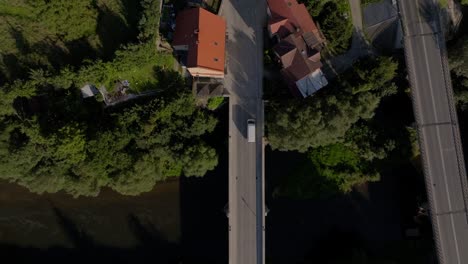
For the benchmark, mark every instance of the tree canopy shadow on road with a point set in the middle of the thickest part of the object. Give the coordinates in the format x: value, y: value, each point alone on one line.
x: 237, y: 70
x: 244, y: 11
x: 430, y: 11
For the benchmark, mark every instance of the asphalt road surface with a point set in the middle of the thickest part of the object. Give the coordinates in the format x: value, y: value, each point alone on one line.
x: 244, y: 50
x: 439, y: 135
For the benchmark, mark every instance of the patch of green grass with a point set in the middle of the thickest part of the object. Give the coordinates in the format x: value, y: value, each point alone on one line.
x: 15, y: 10
x: 443, y: 3
x: 52, y: 34
x: 215, y: 102
x: 141, y: 77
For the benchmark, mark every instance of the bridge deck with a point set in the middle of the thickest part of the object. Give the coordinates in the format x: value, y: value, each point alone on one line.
x: 439, y: 135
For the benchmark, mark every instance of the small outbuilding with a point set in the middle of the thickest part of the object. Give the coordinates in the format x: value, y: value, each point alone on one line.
x: 89, y: 90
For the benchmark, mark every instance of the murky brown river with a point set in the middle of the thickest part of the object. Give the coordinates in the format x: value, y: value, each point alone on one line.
x: 110, y: 220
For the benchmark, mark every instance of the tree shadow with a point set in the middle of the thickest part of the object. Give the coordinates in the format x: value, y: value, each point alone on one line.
x: 113, y: 31
x: 132, y: 10
x: 204, y: 223
x: 153, y: 248
x: 244, y: 11
x: 241, y: 62
x: 168, y: 80
x: 80, y: 50
x: 57, y: 55
x: 11, y: 67
x: 429, y: 11
x: 152, y: 241
x: 77, y: 236
x: 20, y: 41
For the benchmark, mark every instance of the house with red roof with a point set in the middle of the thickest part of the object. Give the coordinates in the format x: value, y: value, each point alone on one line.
x: 299, y: 46
x: 200, y: 36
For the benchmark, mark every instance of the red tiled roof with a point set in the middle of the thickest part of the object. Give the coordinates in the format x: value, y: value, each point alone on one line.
x: 205, y: 35
x: 297, y: 58
x: 300, y: 41
x: 296, y: 14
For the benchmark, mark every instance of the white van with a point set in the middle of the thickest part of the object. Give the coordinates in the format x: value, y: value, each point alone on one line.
x: 251, y: 130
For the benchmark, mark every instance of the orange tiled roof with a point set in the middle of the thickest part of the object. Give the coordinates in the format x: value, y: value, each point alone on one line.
x: 205, y: 35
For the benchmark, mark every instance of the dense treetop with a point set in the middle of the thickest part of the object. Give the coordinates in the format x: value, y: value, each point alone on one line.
x: 336, y: 130
x: 458, y: 58
x: 51, y: 139
x: 334, y: 19
x: 324, y: 118
x: 51, y: 34
x: 338, y: 167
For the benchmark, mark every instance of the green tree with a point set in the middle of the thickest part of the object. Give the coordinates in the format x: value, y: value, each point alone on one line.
x: 337, y: 168
x: 53, y: 140
x: 336, y: 25
x: 69, y: 20
x: 149, y: 21
x: 324, y: 118
x: 458, y: 59
x: 50, y: 34
x: 66, y: 145
x: 199, y: 159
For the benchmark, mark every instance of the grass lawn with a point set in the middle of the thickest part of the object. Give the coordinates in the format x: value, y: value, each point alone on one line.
x: 443, y: 3
x: 215, y: 102
x: 15, y: 10
x: 34, y: 37
x: 141, y: 77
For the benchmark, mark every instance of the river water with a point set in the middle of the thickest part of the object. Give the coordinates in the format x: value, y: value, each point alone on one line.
x: 44, y: 221
x: 179, y: 221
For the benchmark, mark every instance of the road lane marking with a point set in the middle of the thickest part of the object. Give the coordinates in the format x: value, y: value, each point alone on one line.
x: 444, y: 169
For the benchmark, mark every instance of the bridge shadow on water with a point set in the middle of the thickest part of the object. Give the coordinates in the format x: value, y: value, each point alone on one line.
x: 204, y: 223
